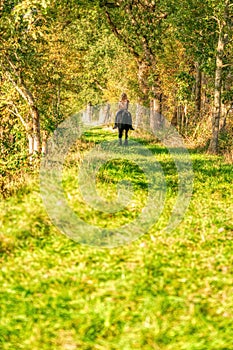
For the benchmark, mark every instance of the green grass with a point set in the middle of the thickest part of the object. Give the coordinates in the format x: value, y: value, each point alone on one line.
x: 163, y: 291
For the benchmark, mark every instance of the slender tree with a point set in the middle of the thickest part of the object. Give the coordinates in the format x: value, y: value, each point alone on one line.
x: 223, y: 15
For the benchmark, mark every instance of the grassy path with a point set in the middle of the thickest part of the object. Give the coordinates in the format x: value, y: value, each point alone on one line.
x: 163, y: 291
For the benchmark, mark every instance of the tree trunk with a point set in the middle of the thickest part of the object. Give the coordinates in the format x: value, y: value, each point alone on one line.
x: 216, y: 113
x: 143, y: 82
x: 224, y: 26
x: 174, y: 116
x: 36, y: 129
x: 35, y: 117
x: 44, y: 145
x: 30, y: 144
x: 198, y: 87
x: 179, y: 117
x: 156, y: 119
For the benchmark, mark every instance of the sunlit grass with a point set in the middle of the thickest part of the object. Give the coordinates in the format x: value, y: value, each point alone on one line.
x: 163, y: 291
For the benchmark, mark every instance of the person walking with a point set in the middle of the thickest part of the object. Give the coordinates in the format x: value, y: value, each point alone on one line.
x: 123, y: 119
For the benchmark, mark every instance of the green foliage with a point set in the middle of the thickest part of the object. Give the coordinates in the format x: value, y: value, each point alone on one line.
x: 195, y: 27
x: 185, y: 83
x: 14, y: 157
x: 227, y: 96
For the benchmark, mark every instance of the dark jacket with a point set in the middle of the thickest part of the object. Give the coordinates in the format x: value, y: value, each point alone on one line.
x: 123, y: 119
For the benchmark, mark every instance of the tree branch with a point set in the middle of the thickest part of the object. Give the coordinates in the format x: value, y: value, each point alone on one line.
x: 23, y: 91
x: 17, y: 114
x: 119, y: 35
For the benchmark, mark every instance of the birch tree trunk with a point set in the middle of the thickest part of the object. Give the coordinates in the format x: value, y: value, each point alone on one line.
x: 156, y: 119
x: 44, y: 144
x: 216, y: 113
x: 33, y: 133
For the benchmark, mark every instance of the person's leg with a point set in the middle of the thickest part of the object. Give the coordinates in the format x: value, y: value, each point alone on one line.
x: 126, y: 135
x: 120, y: 133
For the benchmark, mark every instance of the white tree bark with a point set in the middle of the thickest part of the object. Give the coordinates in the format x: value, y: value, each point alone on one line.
x: 33, y: 132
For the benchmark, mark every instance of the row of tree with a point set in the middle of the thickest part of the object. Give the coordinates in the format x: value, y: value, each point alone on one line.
x: 177, y: 47
x: 175, y: 57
